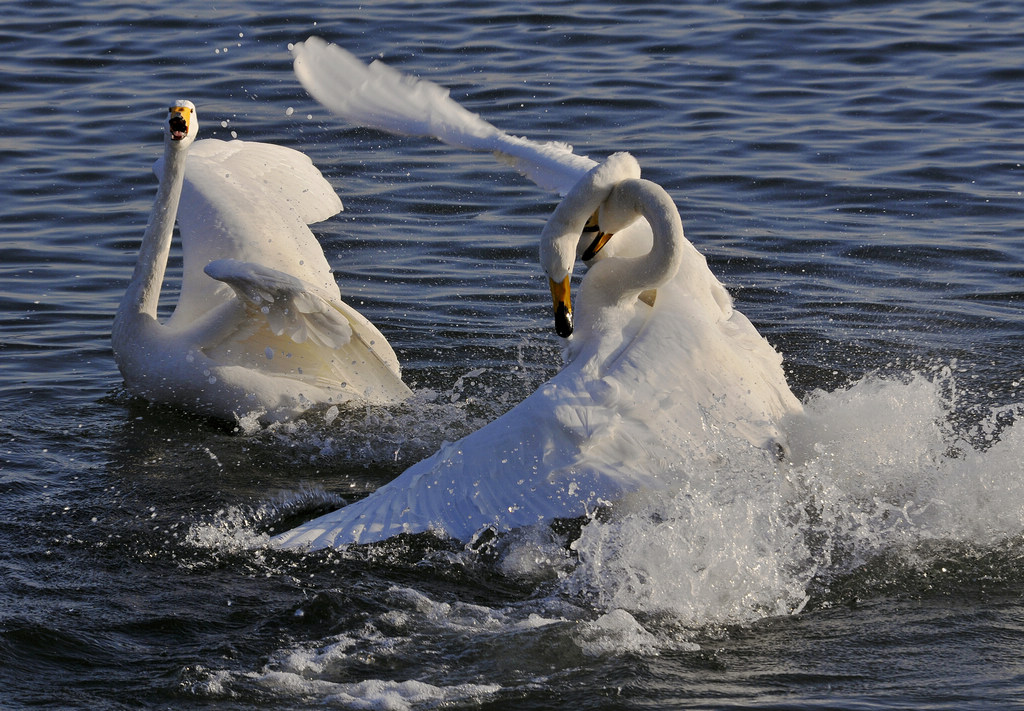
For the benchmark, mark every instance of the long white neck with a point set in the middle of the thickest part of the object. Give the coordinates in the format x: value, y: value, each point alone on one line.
x: 143, y: 294
x: 626, y: 277
x: 608, y: 295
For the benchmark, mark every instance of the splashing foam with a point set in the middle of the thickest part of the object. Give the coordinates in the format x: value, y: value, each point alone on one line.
x: 405, y: 634
x: 405, y: 433
x: 247, y: 531
x: 376, y: 694
x: 877, y: 468
x: 615, y: 633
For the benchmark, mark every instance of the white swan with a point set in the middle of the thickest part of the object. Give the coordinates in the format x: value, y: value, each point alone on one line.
x: 646, y: 387
x: 259, y: 326
x: 378, y: 96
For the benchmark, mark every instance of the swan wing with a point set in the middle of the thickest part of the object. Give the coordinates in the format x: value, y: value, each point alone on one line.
x: 378, y: 96
x: 338, y: 342
x: 558, y: 454
x: 250, y: 202
x: 290, y: 306
x: 282, y: 176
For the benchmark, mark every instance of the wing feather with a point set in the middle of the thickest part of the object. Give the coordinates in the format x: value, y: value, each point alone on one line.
x: 290, y: 306
x: 378, y: 96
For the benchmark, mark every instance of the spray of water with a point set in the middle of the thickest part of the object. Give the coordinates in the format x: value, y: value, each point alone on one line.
x: 877, y: 469
x: 883, y: 474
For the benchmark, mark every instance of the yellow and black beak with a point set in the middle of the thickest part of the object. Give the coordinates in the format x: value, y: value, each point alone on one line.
x: 178, y: 121
x: 598, y: 242
x: 563, y: 306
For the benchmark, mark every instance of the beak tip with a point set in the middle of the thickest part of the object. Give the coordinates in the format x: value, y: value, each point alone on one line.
x: 563, y: 322
x: 563, y: 308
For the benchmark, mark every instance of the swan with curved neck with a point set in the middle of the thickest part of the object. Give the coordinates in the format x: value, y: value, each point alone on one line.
x: 643, y: 388
x: 608, y: 199
x: 259, y: 326
x: 378, y: 96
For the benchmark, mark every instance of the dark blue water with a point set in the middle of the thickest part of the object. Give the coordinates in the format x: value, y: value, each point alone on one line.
x: 853, y: 173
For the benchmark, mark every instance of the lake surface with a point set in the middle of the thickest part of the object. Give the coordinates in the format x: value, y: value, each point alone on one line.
x: 851, y: 170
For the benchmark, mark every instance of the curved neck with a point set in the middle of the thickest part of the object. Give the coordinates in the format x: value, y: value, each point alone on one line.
x: 143, y: 294
x: 633, y: 275
x: 608, y: 294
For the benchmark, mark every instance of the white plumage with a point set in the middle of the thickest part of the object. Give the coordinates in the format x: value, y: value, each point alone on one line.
x: 662, y: 372
x: 259, y: 326
x: 646, y: 388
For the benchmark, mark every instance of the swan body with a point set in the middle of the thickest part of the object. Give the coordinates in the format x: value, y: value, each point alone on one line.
x: 259, y: 326
x: 645, y: 388
x: 378, y: 96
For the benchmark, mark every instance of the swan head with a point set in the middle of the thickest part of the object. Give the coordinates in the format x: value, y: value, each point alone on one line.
x: 571, y: 228
x: 611, y: 218
x: 182, y: 122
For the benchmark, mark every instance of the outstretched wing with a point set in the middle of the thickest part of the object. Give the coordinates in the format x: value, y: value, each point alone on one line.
x: 558, y: 454
x: 378, y: 96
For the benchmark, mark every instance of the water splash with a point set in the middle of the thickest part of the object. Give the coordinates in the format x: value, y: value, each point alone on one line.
x: 371, y: 435
x: 880, y: 468
x: 888, y: 486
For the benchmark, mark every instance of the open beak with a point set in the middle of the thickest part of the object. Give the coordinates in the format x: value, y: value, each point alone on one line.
x: 563, y: 307
x: 178, y: 121
x: 598, y: 242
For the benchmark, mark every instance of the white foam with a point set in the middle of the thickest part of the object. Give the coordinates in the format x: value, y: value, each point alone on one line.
x: 229, y: 530
x: 372, y: 694
x: 614, y: 633
x: 877, y: 468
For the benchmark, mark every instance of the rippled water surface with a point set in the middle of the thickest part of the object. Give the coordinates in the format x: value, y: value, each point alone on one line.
x: 852, y: 171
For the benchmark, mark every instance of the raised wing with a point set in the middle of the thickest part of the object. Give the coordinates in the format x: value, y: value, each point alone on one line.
x: 250, y: 202
x: 378, y: 96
